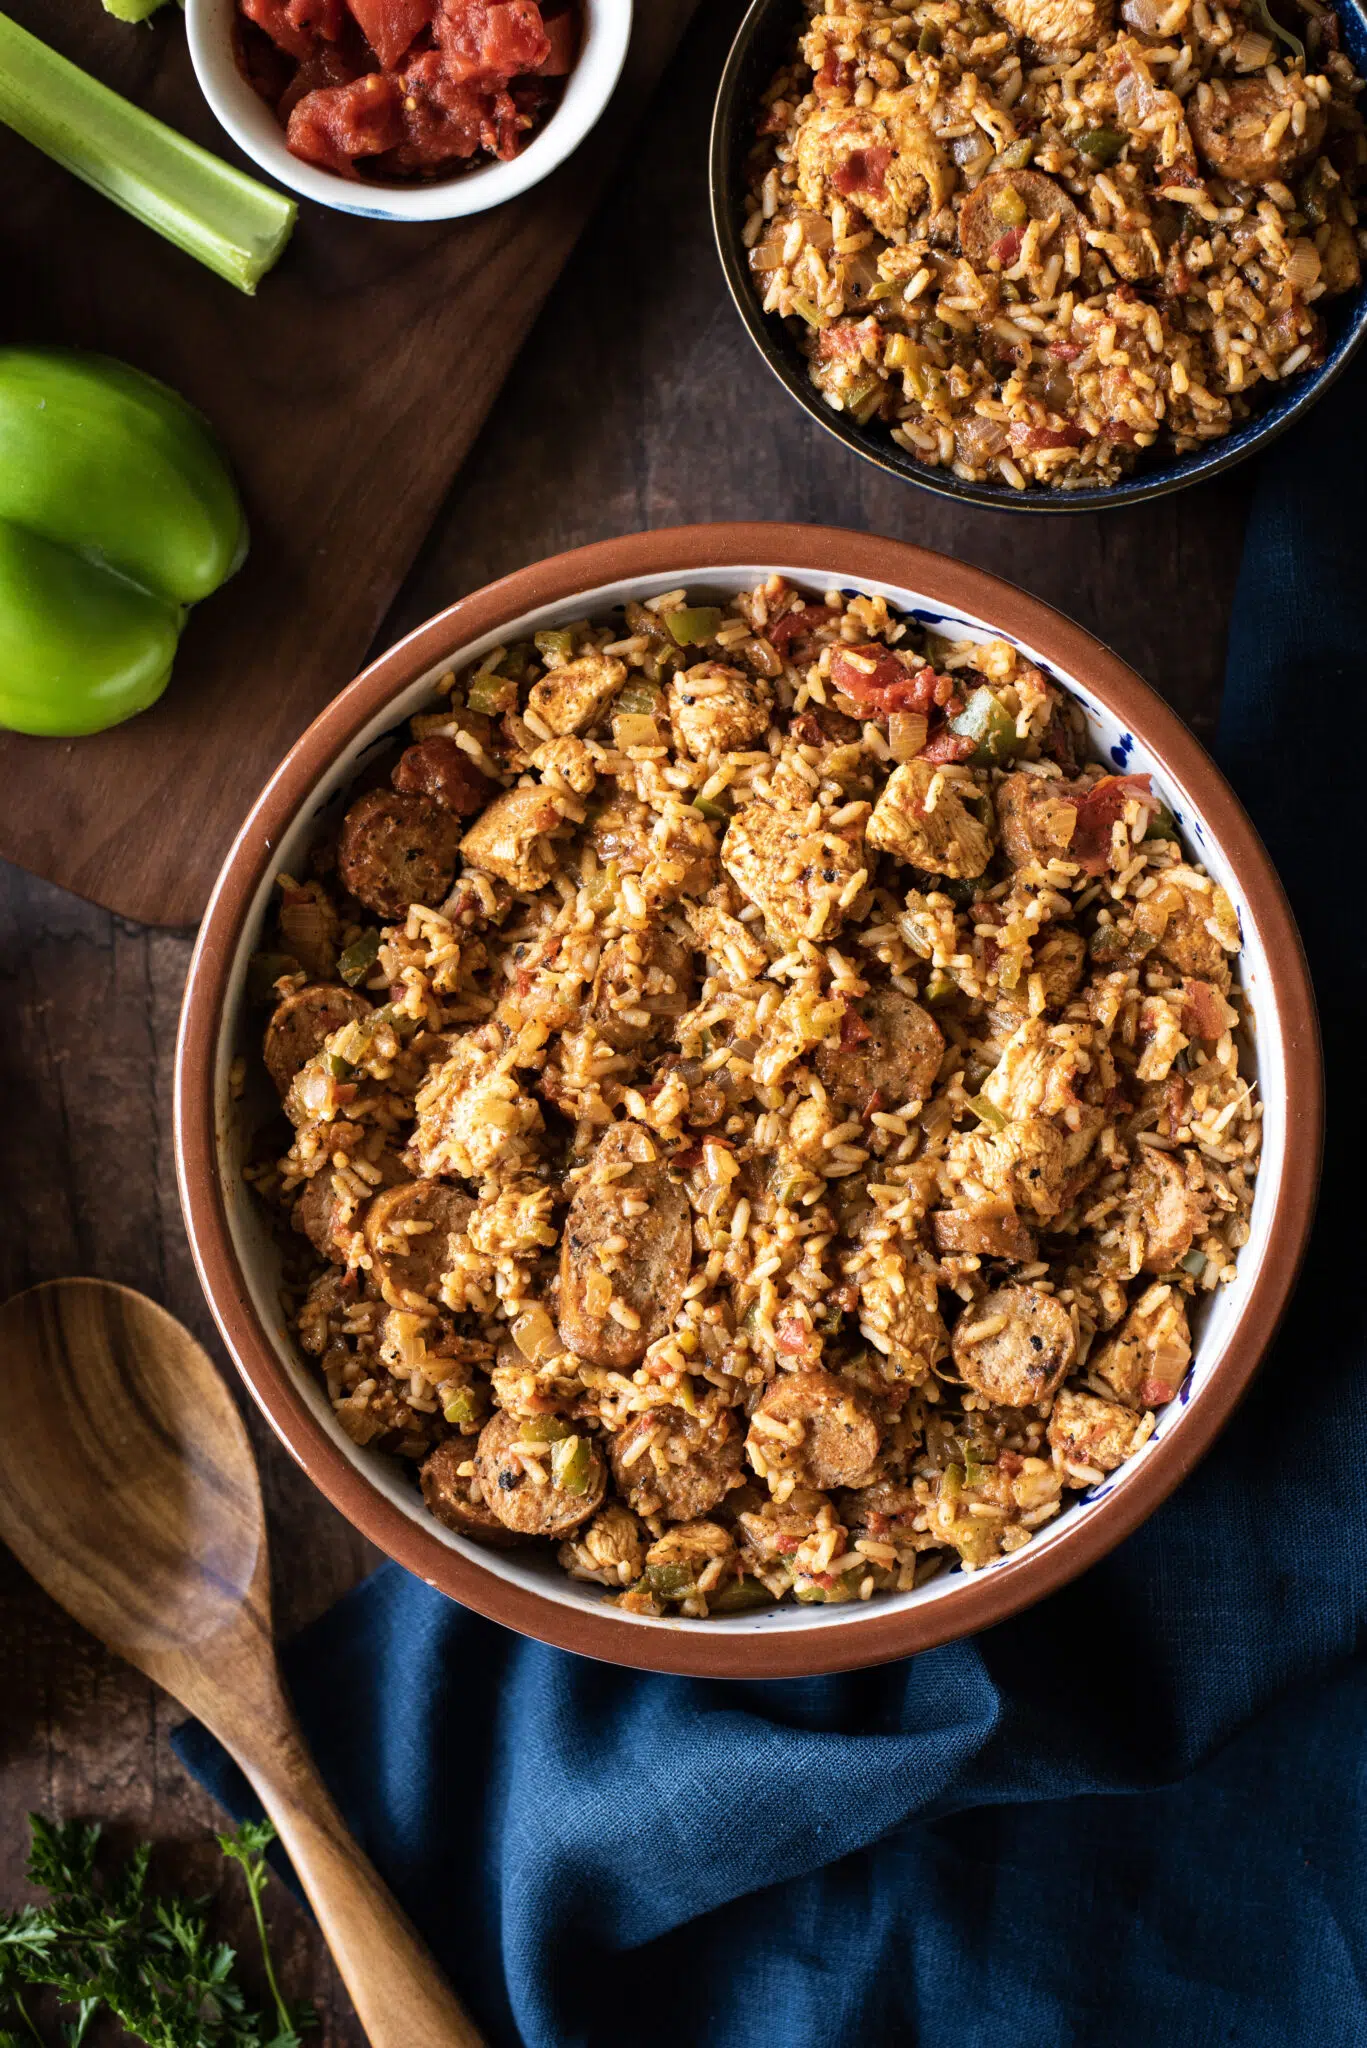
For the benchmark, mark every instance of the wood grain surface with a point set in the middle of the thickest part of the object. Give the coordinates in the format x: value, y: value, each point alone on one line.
x: 637, y: 402
x: 346, y: 394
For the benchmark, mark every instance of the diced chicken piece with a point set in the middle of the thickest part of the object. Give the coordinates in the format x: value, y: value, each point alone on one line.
x: 794, y: 872
x: 939, y: 833
x: 516, y: 1216
x: 439, y: 769
x: 455, y: 1497
x: 676, y: 1465
x: 687, y: 1553
x: 1057, y: 24
x: 715, y: 709
x: 887, y: 163
x: 396, y: 849
x: 1145, y: 1361
x: 812, y: 1429
x: 1200, y: 930
x: 984, y: 1234
x: 513, y: 837
x: 890, y: 1048
x: 899, y: 1313
x: 1038, y: 817
x: 572, y: 698
x: 1015, y: 1345
x: 301, y: 1025
x: 1168, y: 1209
x: 996, y: 213
x: 610, y: 1552
x: 643, y: 979
x: 1239, y: 131
x: 472, y: 1115
x: 1058, y: 958
x: 1340, y: 264
x: 567, y: 761
x: 625, y: 1252
x: 408, y: 1232
x: 1204, y: 1012
x: 674, y: 856
x: 1024, y: 1166
x: 1039, y: 1070
x: 1085, y: 1430
x: 537, y: 1482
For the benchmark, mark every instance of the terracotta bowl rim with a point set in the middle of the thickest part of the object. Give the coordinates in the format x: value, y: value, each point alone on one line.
x: 979, y: 1600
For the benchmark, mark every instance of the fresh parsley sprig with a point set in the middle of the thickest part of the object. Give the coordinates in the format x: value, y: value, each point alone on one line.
x: 102, y: 1942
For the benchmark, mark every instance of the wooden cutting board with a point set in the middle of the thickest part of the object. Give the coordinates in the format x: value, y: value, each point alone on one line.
x: 347, y: 393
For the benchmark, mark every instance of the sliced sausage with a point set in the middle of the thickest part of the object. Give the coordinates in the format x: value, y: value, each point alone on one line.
x: 396, y: 849
x: 455, y: 1498
x: 892, y: 1049
x: 1230, y: 125
x: 984, y: 1235
x: 408, y: 1233
x: 1038, y: 817
x: 1015, y: 1345
x: 301, y: 1024
x: 440, y: 769
x: 641, y: 980
x: 1003, y: 206
x: 517, y: 1473
x: 611, y: 1315
x: 815, y: 1428
x: 676, y: 1465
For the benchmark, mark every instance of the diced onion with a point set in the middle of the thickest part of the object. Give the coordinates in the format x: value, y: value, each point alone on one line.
x: 1303, y: 266
x: 535, y: 1335
x: 907, y: 734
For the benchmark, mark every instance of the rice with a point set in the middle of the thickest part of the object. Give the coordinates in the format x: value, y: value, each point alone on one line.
x: 1035, y: 242
x: 740, y: 1259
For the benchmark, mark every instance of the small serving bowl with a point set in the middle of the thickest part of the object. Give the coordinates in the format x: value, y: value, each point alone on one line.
x: 215, y: 1118
x: 254, y: 127
x: 763, y: 44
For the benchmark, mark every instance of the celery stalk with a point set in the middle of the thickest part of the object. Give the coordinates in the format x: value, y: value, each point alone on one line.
x: 230, y: 222
x: 132, y: 10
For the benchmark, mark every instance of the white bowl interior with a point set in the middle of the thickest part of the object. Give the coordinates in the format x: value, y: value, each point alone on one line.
x: 1215, y: 1319
x: 255, y: 128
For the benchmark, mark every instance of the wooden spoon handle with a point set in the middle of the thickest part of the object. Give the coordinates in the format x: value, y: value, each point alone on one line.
x: 401, y: 1998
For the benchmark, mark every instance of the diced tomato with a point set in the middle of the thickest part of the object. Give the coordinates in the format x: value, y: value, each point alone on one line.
x: 1029, y: 439
x: 274, y: 17
x: 1116, y: 430
x: 864, y: 170
x: 853, y: 1029
x: 392, y: 26
x: 336, y: 125
x: 490, y: 41
x: 947, y: 746
x: 1153, y: 1393
x: 1010, y: 1462
x: 793, y: 1336
x: 1205, y: 1013
x: 889, y: 686
x: 563, y: 30
x: 1064, y: 351
x: 442, y: 122
x: 795, y: 625
x: 1008, y: 248
x: 327, y: 66
x: 872, y: 1106
x: 325, y: 18
x: 1090, y: 846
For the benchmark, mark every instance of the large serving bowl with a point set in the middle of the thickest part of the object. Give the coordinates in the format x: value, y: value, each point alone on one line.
x: 763, y: 44
x: 238, y: 1262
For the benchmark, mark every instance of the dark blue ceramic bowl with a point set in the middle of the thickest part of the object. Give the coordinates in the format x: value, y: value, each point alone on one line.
x: 762, y: 44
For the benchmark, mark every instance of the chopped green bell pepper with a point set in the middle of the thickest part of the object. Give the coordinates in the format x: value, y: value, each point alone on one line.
x: 692, y: 624
x: 117, y: 513
x: 986, y: 721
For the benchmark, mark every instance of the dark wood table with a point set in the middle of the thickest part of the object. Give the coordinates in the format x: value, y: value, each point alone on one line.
x: 637, y: 403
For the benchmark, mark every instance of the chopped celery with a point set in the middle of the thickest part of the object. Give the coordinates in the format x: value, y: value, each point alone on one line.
x: 340, y: 1069
x: 357, y: 959
x: 229, y: 222
x: 990, y: 726
x: 1016, y: 155
x: 560, y: 643
x: 691, y: 624
x: 938, y: 987
x: 1102, y: 145
x: 1161, y: 825
x: 988, y: 1111
x: 864, y: 401
x: 707, y: 809
x: 132, y: 10
x: 805, y: 310
x: 491, y: 693
x: 572, y: 1464
x: 667, y: 1581
x: 740, y: 1596
x: 461, y: 1407
x: 547, y: 1429
x: 639, y: 696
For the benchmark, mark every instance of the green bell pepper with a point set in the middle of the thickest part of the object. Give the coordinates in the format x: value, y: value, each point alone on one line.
x: 117, y: 513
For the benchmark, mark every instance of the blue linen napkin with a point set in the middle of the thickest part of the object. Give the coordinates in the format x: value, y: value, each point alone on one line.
x: 1136, y: 1814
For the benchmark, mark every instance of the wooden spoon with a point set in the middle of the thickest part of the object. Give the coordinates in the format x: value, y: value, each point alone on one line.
x: 128, y: 1489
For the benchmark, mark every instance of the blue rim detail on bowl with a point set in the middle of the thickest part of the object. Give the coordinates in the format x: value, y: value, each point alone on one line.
x: 761, y: 44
